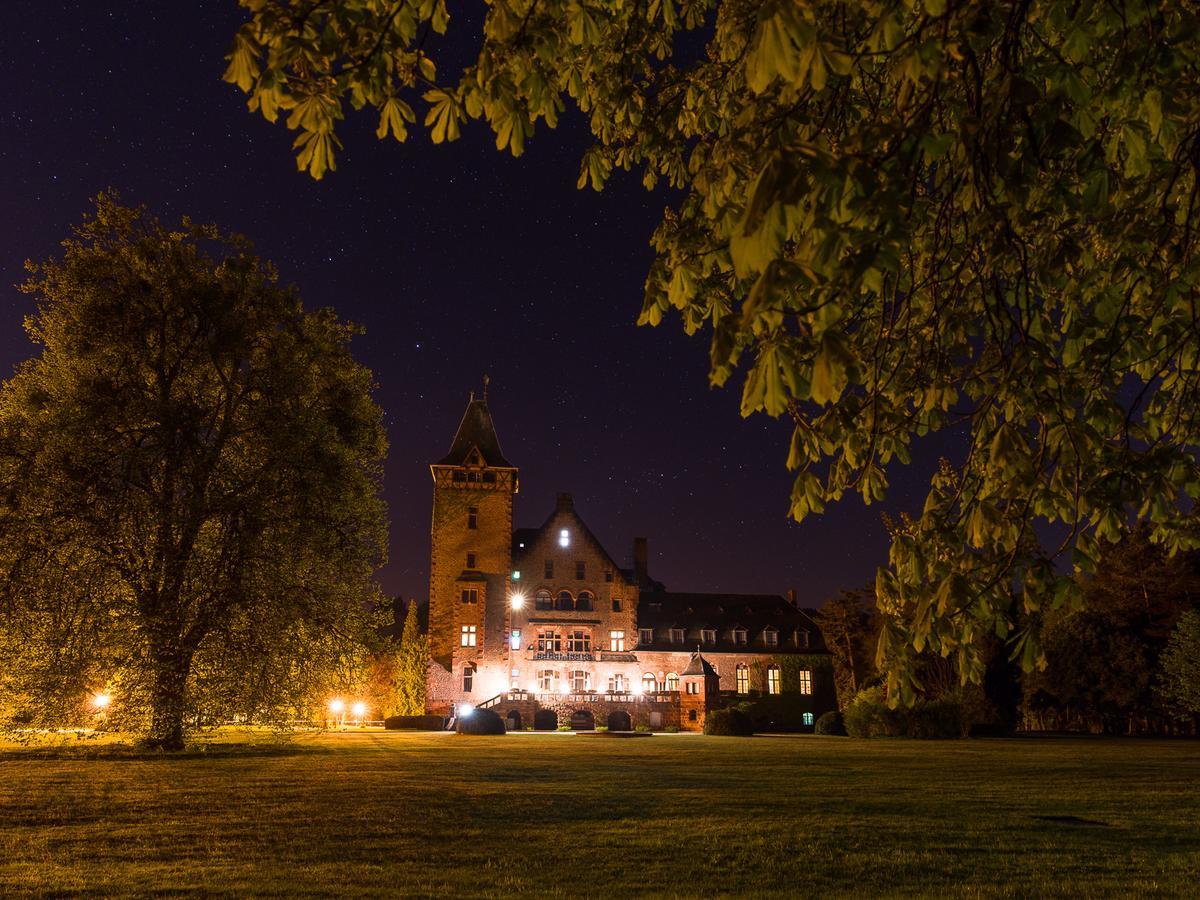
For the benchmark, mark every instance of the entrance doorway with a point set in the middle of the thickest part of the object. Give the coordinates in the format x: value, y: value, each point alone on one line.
x: 545, y: 720
x: 619, y: 720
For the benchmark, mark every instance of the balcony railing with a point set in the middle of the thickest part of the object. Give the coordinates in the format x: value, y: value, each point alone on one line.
x: 583, y: 697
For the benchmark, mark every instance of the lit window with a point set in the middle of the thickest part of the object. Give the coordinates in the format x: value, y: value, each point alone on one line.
x: 743, y: 679
x: 548, y: 680
x: 579, y: 642
x: 543, y: 600
x: 468, y: 678
x: 468, y: 636
x: 693, y: 687
x: 549, y: 641
x: 773, y: 679
x: 771, y: 637
x: 514, y: 639
x: 739, y: 635
x: 565, y: 601
x: 676, y: 635
x: 514, y: 679
x: 580, y: 570
x: 806, y: 681
x: 516, y: 574
x: 616, y: 605
x: 585, y: 601
x: 616, y: 641
x: 807, y: 718
x: 470, y: 595
x: 617, y: 684
x: 549, y: 568
x: 472, y: 517
x: 672, y: 681
x: 580, y: 681
x: 649, y: 685
x: 708, y: 635
x: 645, y: 636
x: 470, y: 560
x: 564, y: 538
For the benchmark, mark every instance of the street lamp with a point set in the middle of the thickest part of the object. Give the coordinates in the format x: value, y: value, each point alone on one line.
x: 100, y: 702
x: 360, y: 711
x: 337, y: 707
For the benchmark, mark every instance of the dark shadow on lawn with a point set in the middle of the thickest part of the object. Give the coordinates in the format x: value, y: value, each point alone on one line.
x: 231, y: 750
x: 1073, y: 820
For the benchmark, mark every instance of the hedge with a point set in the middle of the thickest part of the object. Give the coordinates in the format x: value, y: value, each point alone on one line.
x: 419, y: 723
x: 728, y: 722
x: 480, y: 721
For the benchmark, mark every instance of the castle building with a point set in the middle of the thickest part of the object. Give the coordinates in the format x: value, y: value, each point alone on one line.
x: 547, y: 628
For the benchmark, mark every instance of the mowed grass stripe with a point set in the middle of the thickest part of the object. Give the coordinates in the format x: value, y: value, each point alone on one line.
x: 421, y: 814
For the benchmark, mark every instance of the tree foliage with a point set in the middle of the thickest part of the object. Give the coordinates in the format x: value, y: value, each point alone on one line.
x: 413, y: 665
x: 1181, y: 664
x: 188, y: 481
x: 851, y: 632
x: 895, y: 217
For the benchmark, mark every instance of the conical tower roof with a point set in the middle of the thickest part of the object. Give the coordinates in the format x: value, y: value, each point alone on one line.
x: 698, y: 665
x: 476, y: 431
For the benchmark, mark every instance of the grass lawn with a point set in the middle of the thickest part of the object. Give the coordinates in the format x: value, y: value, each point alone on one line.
x: 424, y: 814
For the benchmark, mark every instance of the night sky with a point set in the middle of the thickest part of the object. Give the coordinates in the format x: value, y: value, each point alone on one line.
x: 458, y: 260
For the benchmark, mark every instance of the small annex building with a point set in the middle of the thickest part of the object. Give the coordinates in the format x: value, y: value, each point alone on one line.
x: 546, y: 627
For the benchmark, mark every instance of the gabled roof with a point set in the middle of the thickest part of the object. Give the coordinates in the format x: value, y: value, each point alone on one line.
x: 725, y: 613
x: 476, y: 431
x: 698, y: 665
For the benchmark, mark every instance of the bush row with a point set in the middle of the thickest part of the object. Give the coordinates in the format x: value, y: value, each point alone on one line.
x: 868, y: 715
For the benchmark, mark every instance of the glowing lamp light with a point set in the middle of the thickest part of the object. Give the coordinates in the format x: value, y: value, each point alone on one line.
x: 359, y: 709
x: 465, y: 709
x: 101, y: 701
x: 337, y: 707
x: 564, y: 538
x: 637, y: 687
x: 516, y: 574
x: 518, y: 600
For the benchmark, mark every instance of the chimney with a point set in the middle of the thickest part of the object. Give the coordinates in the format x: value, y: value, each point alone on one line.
x: 640, y: 560
x: 791, y: 597
x: 566, y: 503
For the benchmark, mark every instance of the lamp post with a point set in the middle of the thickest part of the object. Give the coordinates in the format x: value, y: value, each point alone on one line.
x: 516, y: 603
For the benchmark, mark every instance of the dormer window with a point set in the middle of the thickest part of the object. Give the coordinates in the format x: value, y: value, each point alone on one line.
x: 708, y: 636
x: 771, y: 637
x: 739, y: 636
x: 645, y: 636
x: 676, y: 635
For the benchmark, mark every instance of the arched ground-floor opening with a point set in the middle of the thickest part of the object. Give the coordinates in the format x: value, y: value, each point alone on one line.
x: 545, y: 720
x: 582, y: 720
x: 619, y: 720
x: 513, y: 720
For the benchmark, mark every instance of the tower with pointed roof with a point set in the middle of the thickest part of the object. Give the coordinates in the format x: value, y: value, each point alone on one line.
x: 471, y: 554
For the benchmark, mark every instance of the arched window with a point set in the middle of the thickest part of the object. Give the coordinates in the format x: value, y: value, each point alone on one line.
x: 672, y: 681
x: 649, y: 684
x: 564, y: 601
x: 543, y: 600
x: 584, y: 601
x: 743, y: 678
x: 772, y: 679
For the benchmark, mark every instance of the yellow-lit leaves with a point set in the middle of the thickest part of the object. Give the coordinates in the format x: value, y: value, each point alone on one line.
x: 392, y: 116
x: 444, y: 116
x: 787, y: 47
x: 832, y: 368
x: 595, y: 168
x: 243, y: 63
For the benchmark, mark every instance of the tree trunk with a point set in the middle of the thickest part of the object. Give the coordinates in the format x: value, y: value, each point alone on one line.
x: 168, y: 702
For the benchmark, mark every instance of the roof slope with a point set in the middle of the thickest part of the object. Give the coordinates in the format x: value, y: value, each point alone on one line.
x: 476, y: 430
x: 662, y: 611
x: 698, y: 665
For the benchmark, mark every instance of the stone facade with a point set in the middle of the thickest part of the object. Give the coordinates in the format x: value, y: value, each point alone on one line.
x: 545, y: 621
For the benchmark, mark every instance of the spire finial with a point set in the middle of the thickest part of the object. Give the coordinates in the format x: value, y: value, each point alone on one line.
x: 485, y: 384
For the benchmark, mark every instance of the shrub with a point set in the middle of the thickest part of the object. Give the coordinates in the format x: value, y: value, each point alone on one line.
x: 601, y: 728
x: 672, y: 729
x: 868, y: 715
x: 729, y: 722
x: 564, y: 728
x: 480, y: 721
x: 642, y: 728
x: 419, y: 723
x: 831, y: 723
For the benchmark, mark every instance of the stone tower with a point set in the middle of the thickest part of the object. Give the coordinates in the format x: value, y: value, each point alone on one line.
x: 471, y: 560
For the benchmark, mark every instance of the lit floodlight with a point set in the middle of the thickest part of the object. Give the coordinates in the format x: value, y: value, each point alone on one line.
x: 516, y: 574
x: 100, y: 702
x: 337, y: 707
x: 359, y: 709
x: 564, y: 538
x: 637, y: 687
x: 518, y: 600
x: 465, y: 709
